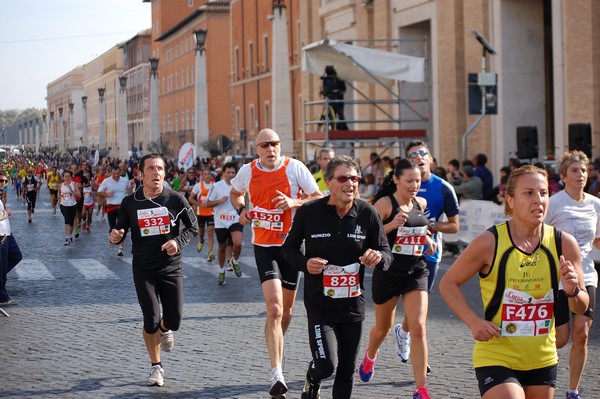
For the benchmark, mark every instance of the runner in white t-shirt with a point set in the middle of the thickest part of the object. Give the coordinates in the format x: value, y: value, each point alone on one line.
x: 227, y: 227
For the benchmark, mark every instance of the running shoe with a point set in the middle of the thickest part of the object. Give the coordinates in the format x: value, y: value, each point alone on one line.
x: 236, y: 268
x: 200, y: 246
x: 8, y: 302
x: 311, y: 390
x: 67, y: 241
x: 278, y: 388
x: 574, y: 395
x: 54, y: 211
x: 211, y: 256
x: 156, y: 376
x: 77, y: 231
x: 367, y: 368
x: 83, y: 227
x: 402, y: 345
x: 87, y: 229
x: 221, y: 278
x: 29, y: 221
x: 167, y: 342
x: 229, y: 265
x: 421, y: 393
x: 120, y: 253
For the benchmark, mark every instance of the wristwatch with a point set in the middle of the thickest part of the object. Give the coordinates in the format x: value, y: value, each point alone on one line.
x: 432, y: 225
x: 240, y: 209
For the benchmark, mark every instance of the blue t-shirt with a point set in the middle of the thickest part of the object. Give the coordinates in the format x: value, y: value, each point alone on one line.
x: 441, y: 199
x: 487, y: 179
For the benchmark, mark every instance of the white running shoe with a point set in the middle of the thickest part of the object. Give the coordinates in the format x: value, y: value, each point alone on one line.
x: 167, y: 342
x: 402, y: 345
x: 156, y: 376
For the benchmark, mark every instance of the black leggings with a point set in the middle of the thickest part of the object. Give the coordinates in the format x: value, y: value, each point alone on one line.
x: 69, y: 213
x: 168, y: 286
x: 31, y: 196
x: 112, y: 219
x: 324, y: 338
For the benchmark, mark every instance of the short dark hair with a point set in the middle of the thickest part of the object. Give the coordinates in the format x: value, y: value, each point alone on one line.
x: 337, y: 161
x: 480, y: 159
x: 148, y: 156
x: 415, y: 143
x: 230, y: 165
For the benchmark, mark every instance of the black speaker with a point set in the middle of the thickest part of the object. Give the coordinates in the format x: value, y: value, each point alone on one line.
x: 527, y: 142
x: 580, y: 138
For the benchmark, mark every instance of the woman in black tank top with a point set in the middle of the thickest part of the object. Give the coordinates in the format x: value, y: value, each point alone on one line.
x: 407, y: 230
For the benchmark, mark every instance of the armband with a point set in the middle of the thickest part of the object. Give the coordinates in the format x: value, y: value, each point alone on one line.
x: 240, y: 209
x: 577, y: 291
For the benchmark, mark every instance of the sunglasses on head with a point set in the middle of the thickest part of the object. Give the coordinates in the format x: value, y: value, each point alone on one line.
x: 268, y: 144
x: 414, y: 154
x: 344, y: 179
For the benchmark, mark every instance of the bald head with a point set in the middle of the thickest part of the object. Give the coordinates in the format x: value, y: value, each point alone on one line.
x: 267, y: 135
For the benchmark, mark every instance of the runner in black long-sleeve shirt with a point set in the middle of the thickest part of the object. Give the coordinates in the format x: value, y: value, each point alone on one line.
x: 342, y: 236
x: 153, y: 213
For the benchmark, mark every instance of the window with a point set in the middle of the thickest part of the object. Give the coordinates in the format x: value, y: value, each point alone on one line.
x: 267, y: 121
x: 236, y: 65
x: 266, y: 57
x: 251, y: 113
x: 250, y: 59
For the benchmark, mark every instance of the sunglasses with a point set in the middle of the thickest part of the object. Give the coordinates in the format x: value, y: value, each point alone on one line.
x: 414, y: 154
x: 268, y: 144
x: 3, y: 180
x: 344, y: 179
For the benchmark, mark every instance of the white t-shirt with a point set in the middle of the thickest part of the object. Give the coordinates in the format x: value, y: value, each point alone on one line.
x: 224, y: 214
x: 118, y: 187
x: 581, y: 220
x: 4, y: 223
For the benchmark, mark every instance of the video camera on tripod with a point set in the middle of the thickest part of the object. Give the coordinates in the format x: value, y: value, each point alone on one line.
x: 333, y: 88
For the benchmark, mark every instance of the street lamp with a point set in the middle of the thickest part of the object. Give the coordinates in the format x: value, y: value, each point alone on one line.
x: 44, y: 132
x: 52, y: 134
x: 201, y: 127
x: 153, y: 66
x: 123, y: 136
x: 61, y: 130
x: 200, y: 39
x: 102, y: 113
x: 71, y: 126
x: 85, y: 126
x: 154, y: 130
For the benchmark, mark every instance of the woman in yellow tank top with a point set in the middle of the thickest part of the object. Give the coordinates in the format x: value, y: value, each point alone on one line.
x: 519, y: 264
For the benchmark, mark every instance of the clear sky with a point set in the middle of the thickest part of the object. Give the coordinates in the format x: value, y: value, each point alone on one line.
x: 41, y: 40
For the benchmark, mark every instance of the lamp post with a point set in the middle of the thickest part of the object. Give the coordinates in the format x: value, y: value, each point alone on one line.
x: 61, y: 130
x: 201, y: 121
x: 102, y: 113
x: 52, y: 131
x: 71, y: 126
x: 281, y: 110
x: 86, y: 141
x: 43, y: 133
x: 123, y: 135
x: 154, y: 129
x: 37, y: 134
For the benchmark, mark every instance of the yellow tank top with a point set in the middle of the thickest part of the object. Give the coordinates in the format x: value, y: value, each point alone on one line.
x: 53, y: 180
x: 518, y: 296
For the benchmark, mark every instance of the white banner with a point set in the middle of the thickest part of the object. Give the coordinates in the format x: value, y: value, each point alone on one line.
x: 187, y: 155
x: 476, y: 217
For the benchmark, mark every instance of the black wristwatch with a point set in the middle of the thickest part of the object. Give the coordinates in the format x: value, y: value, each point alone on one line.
x: 240, y: 209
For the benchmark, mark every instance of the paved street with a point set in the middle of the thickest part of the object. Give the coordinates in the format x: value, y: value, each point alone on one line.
x: 76, y: 331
